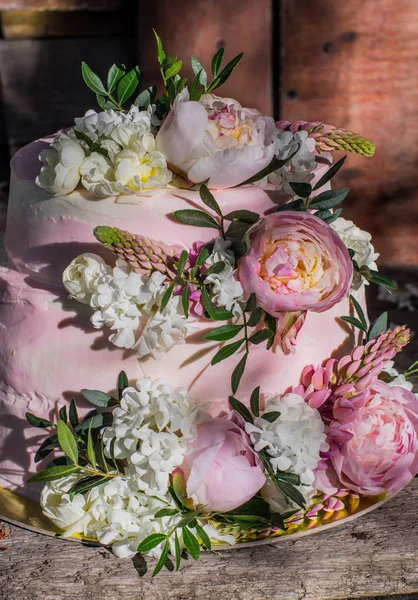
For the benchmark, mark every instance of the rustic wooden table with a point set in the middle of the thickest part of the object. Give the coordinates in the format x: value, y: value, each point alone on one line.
x: 373, y: 556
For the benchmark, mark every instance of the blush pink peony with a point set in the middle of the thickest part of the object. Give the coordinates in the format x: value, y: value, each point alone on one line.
x: 382, y: 453
x: 215, y: 140
x: 296, y: 262
x: 221, y: 469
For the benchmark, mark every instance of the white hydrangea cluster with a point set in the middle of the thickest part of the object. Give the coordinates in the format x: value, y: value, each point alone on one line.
x: 145, y: 431
x: 302, y: 164
x: 128, y: 303
x: 360, y: 242
x: 111, y: 152
x: 225, y: 287
x: 151, y: 430
x: 294, y: 440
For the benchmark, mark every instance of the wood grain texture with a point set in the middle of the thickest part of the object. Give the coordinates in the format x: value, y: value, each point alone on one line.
x: 201, y: 27
x: 64, y: 5
x: 374, y: 556
x: 353, y: 64
x: 42, y: 86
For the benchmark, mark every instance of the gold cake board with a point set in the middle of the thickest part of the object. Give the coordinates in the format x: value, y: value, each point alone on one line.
x: 25, y: 513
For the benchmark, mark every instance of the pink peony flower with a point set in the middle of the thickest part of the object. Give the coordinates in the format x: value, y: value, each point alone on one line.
x: 215, y: 140
x: 296, y: 262
x: 222, y: 470
x: 382, y: 453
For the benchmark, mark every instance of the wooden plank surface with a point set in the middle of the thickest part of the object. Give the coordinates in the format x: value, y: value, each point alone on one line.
x: 201, y: 27
x: 374, y: 556
x: 354, y: 64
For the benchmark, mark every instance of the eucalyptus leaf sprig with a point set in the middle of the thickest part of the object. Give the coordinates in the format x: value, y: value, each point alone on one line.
x: 119, y: 82
x: 81, y: 443
x: 284, y: 481
x: 369, y: 332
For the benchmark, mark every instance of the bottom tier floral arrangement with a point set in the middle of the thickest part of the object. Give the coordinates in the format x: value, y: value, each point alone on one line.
x: 210, y: 237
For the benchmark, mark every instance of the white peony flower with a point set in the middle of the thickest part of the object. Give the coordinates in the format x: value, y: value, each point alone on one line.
x: 301, y: 166
x: 81, y: 275
x: 215, y: 140
x: 225, y: 287
x: 60, y: 173
x: 360, y: 241
x: 293, y: 440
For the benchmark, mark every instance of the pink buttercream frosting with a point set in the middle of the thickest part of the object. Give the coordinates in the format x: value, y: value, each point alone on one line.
x: 50, y: 349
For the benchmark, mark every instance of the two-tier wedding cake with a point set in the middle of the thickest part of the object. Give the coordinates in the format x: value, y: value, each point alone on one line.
x: 186, y: 357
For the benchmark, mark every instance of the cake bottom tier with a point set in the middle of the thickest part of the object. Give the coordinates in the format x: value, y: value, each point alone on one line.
x: 50, y: 351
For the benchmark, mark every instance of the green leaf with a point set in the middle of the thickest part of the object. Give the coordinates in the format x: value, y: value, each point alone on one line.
x: 182, y: 262
x: 203, y: 256
x: 179, y: 489
x: 251, y: 303
x: 297, y: 205
x: 271, y: 416
x: 92, y: 80
x: 46, y: 448
x: 105, y: 104
x: 225, y: 73
x: 217, y: 267
x: 241, y: 409
x: 177, y: 550
x: 73, y: 414
x: 97, y: 420
x: 376, y: 277
x: 146, y: 97
x: 123, y: 383
x: 197, y: 218
x: 127, y: 85
x: 53, y: 473
x: 330, y: 173
x: 63, y: 414
x: 237, y: 229
x: 303, y: 190
x: 188, y: 518
x: 196, y: 91
x: 37, y: 421
x: 355, y: 323
x: 191, y: 543
x: 255, y: 317
x: 223, y: 333
x: 261, y: 336
x: 208, y: 198
x: 238, y: 373
x: 98, y: 398
x: 323, y: 214
x: 185, y: 300
x: 215, y: 312
x: 203, y: 536
x: 359, y: 311
x: 198, y: 68
x: 271, y: 323
x: 255, y: 402
x: 173, y: 70
x: 378, y: 327
x: 217, y: 61
x: 151, y: 542
x: 86, y: 484
x: 115, y: 73
x: 67, y: 441
x: 245, y: 216
x: 334, y: 216
x: 226, y: 352
x: 165, y: 512
x: 166, y: 296
x: 273, y: 166
x: 160, y: 51
x: 91, y: 455
x: 290, y: 491
x: 292, y: 478
x: 162, y: 560
x: 328, y: 199
x: 277, y: 520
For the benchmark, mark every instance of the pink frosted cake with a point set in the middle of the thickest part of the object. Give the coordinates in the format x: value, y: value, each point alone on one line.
x: 187, y: 258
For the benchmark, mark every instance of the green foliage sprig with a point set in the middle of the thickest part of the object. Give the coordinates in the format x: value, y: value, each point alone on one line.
x: 371, y: 331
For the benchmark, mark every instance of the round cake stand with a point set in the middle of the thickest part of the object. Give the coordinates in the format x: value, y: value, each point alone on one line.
x: 19, y: 511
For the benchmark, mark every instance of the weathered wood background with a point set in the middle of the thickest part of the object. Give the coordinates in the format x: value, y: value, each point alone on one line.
x: 352, y: 64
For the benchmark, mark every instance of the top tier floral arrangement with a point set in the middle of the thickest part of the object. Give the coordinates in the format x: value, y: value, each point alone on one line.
x: 148, y: 470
